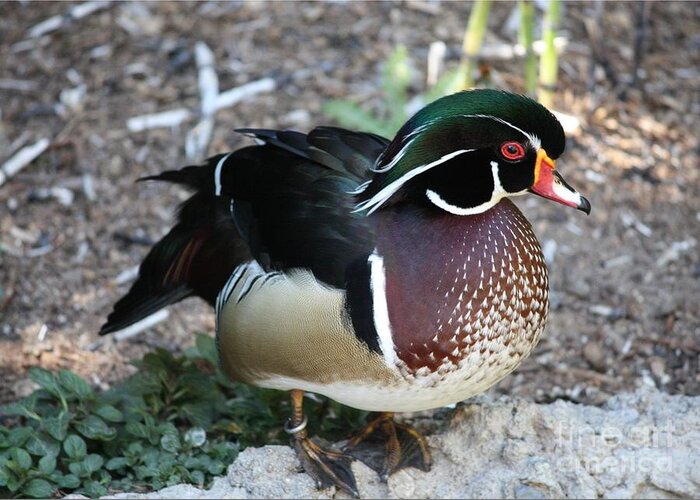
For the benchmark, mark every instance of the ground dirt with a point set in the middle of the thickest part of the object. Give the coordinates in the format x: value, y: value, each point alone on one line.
x: 625, y: 280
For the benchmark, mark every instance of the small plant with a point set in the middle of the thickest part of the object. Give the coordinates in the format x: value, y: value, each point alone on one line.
x: 548, y: 61
x: 395, y: 81
x: 393, y: 111
x: 179, y: 419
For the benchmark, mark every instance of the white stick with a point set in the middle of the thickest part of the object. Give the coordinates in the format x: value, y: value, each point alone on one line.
x: 126, y: 275
x: 171, y: 118
x: 142, y: 325
x: 436, y: 57
x: 21, y: 159
x: 208, y: 79
x: 56, y: 22
x: 237, y: 94
x: 199, y: 137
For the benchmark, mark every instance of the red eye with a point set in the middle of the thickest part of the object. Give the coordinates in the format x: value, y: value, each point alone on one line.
x: 513, y: 151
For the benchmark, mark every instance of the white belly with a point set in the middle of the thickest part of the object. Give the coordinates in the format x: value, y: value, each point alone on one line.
x: 410, y: 393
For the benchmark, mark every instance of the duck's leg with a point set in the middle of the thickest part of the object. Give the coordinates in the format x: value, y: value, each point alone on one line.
x: 405, y: 446
x: 326, y: 467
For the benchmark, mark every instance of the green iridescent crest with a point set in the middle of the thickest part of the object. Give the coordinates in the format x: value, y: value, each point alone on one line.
x: 457, y: 124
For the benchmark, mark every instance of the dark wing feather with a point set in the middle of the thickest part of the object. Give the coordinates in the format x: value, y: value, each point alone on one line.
x: 194, y: 258
x: 300, y: 201
x: 287, y: 203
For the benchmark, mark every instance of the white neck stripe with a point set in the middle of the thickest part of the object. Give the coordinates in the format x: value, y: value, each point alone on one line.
x: 217, y: 175
x: 378, y: 199
x: 380, y: 308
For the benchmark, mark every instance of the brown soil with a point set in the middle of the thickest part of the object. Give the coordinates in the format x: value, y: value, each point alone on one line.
x: 625, y: 281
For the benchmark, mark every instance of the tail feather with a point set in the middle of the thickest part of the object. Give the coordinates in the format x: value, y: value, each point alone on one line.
x: 195, y: 258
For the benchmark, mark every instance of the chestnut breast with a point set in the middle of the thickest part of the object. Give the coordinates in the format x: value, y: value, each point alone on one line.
x: 457, y: 285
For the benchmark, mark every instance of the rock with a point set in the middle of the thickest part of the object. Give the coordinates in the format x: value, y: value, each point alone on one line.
x: 593, y: 353
x: 645, y: 444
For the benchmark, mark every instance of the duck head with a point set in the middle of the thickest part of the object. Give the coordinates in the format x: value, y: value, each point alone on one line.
x: 463, y: 153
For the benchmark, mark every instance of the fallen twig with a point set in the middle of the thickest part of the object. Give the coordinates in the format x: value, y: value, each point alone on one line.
x: 684, y: 345
x: 21, y: 159
x: 126, y: 275
x: 674, y: 251
x: 237, y: 94
x: 142, y: 325
x: 171, y: 118
x: 74, y: 13
x: 589, y: 374
x: 436, y: 58
x: 199, y: 137
x: 18, y: 85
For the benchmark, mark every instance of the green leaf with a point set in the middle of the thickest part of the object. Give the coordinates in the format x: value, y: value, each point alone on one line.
x: 14, y: 483
x: 69, y: 481
x: 206, y: 348
x: 395, y: 80
x: 21, y: 409
x: 78, y: 468
x: 4, y: 475
x: 170, y: 442
x: 94, y: 489
x: 38, y: 488
x: 449, y: 83
x: 117, y: 463
x: 351, y: 115
x: 47, y: 464
x: 197, y: 477
x: 42, y: 445
x: 138, y: 430
x: 74, y: 384
x: 93, y: 427
x: 46, y: 380
x: 215, y: 468
x: 110, y: 413
x: 19, y: 435
x: 75, y: 447
x: 93, y: 462
x: 21, y: 458
x: 57, y: 427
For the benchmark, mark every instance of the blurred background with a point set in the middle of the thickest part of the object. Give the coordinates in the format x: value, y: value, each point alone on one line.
x: 95, y: 95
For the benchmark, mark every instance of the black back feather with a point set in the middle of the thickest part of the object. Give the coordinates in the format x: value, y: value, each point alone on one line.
x: 286, y: 203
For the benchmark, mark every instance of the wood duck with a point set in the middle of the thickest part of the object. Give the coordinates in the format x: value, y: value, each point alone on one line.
x: 389, y: 275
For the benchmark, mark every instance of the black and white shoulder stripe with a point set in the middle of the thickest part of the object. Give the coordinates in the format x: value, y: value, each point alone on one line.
x: 241, y: 282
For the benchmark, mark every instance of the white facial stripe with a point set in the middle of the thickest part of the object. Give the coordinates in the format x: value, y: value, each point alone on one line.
x: 217, y: 175
x: 400, y: 154
x: 534, y: 140
x: 361, y: 187
x: 378, y: 199
x: 395, y: 160
x: 381, y: 308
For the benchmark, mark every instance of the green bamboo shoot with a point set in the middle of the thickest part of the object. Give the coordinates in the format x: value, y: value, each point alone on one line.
x: 548, y: 61
x: 526, y: 35
x: 473, y: 37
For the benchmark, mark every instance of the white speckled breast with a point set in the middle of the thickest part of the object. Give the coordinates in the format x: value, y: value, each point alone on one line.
x: 466, y: 312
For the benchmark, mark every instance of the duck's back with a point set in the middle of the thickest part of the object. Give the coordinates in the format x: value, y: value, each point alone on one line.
x: 286, y: 203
